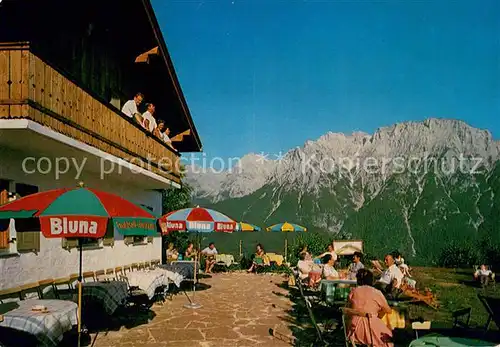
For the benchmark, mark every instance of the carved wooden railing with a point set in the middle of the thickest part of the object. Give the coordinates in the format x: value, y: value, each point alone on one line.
x: 31, y: 88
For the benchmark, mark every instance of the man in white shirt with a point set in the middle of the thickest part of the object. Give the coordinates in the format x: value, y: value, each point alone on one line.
x: 148, y: 120
x: 483, y: 274
x: 392, y: 277
x: 130, y: 108
x: 210, y: 252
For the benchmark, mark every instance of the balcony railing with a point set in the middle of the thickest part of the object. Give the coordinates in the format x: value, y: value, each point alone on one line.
x: 30, y: 88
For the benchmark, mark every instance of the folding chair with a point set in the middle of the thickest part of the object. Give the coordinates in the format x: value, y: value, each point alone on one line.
x: 44, y: 284
x: 30, y: 288
x: 309, y: 305
x: 11, y: 293
x: 461, y: 318
x: 492, y: 306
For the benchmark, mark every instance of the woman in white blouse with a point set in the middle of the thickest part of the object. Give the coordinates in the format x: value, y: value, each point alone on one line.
x: 329, y: 271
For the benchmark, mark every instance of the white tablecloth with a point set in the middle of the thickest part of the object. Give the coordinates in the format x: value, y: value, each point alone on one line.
x: 147, y: 281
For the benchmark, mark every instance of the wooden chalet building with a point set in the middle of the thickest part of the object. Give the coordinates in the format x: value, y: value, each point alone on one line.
x: 66, y: 69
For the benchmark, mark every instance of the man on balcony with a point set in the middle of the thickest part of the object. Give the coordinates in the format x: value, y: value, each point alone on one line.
x: 149, y: 122
x: 130, y: 108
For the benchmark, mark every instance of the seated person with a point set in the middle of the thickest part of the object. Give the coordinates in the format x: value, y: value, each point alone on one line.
x: 400, y: 262
x: 190, y: 252
x: 210, y: 253
x: 355, y: 266
x: 172, y: 253
x: 308, y: 256
x: 483, y: 275
x: 259, y: 259
x: 367, y: 299
x: 391, y: 278
x: 303, y: 266
x: 329, y: 271
x: 329, y: 250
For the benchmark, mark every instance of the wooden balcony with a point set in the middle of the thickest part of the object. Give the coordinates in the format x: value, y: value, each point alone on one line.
x: 32, y: 89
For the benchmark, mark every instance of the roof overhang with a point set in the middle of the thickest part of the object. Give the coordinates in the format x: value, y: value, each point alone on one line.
x: 163, y: 52
x: 36, y: 141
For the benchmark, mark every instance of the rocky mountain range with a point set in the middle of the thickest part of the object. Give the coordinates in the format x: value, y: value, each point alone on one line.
x: 413, y: 186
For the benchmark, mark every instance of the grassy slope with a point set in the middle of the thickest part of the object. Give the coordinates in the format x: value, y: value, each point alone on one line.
x: 454, y: 291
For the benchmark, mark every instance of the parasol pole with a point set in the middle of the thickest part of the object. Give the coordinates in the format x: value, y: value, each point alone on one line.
x: 80, y: 294
x: 192, y: 304
x: 80, y: 246
x: 241, y: 248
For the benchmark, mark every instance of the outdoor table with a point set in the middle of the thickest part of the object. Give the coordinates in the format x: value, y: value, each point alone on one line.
x: 112, y: 294
x: 170, y: 277
x: 227, y: 259
x: 182, y: 267
x: 445, y: 341
x: 331, y: 291
x: 48, y: 327
x: 147, y: 281
x: 277, y: 258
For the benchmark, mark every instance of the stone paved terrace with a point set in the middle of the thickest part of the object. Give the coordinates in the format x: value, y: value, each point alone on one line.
x: 238, y: 310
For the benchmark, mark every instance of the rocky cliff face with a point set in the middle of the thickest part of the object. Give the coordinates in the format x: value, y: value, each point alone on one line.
x: 403, y: 183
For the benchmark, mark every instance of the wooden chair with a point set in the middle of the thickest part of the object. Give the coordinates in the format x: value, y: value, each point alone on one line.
x: 118, y: 272
x: 351, y: 313
x: 30, y: 288
x: 134, y: 266
x: 60, y: 282
x: 45, y: 284
x: 99, y: 274
x: 11, y: 293
x: 89, y: 275
x: 127, y: 268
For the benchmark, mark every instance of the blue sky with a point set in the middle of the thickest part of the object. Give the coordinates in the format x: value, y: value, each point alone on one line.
x: 267, y: 75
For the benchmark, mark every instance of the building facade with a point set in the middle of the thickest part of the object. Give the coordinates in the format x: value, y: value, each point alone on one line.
x: 64, y: 77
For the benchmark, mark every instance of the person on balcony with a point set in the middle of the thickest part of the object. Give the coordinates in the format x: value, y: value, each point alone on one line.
x: 130, y: 108
x: 148, y: 120
x: 162, y: 132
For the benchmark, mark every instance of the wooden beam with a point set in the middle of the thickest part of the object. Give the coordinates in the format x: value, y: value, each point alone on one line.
x: 144, y: 57
x: 180, y: 137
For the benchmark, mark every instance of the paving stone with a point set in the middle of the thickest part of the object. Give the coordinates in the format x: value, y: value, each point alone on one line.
x: 238, y: 310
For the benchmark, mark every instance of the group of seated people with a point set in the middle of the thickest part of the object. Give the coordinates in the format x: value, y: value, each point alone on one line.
x: 190, y: 253
x: 147, y: 119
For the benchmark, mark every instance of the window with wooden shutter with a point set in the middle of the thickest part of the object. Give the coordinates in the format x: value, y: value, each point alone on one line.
x: 28, y: 241
x: 69, y: 243
x: 150, y: 239
x: 4, y: 228
x: 128, y: 240
x: 109, y: 237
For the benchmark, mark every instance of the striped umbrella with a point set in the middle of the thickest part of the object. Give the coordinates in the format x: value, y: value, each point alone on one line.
x: 286, y: 228
x: 245, y: 227
x: 196, y: 219
x: 81, y: 213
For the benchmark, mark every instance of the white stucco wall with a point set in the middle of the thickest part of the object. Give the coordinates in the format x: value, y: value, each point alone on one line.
x: 53, y: 261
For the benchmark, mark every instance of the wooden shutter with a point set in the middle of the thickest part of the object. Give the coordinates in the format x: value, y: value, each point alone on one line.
x: 128, y: 240
x: 4, y: 230
x: 109, y: 237
x: 28, y: 241
x: 150, y: 239
x: 69, y: 243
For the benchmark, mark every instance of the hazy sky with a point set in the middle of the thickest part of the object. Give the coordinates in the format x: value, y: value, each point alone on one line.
x: 267, y: 75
